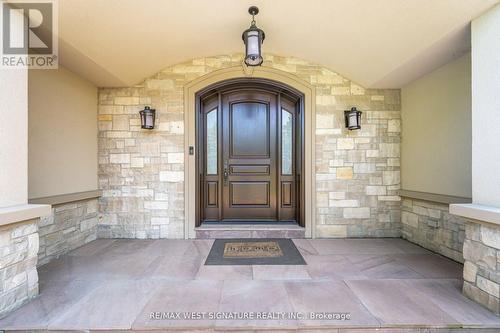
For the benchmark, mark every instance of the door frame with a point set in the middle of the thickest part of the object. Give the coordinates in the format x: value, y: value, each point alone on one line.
x: 261, y: 74
x: 242, y: 85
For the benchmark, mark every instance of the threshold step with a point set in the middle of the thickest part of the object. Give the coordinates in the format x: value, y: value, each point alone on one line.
x: 248, y: 230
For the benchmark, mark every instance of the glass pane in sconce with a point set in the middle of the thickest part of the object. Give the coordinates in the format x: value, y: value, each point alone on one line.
x: 253, y: 43
x: 286, y: 142
x: 212, y: 142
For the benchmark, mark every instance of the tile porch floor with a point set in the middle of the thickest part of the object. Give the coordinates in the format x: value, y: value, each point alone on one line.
x: 116, y: 284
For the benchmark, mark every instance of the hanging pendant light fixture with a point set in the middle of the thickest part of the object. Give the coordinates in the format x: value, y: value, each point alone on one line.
x: 253, y: 38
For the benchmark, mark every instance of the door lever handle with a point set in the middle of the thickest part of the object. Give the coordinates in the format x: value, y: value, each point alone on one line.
x: 226, y: 176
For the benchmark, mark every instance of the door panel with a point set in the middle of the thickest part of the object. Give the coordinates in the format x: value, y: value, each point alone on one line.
x: 246, y: 169
x: 255, y: 194
x: 246, y: 139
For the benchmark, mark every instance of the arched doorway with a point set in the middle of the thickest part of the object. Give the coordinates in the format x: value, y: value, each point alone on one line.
x: 191, y: 180
x: 250, y: 160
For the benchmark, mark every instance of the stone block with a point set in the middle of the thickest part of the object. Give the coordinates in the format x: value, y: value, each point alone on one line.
x: 391, y: 177
x: 175, y: 158
x: 88, y: 224
x: 394, y: 126
x: 121, y: 123
x: 172, y: 176
x: 389, y: 149
x: 480, y: 254
x: 409, y: 219
x: 119, y: 158
x: 344, y: 173
x: 331, y: 231
x: 488, y: 286
x: 136, y: 162
x: 375, y: 190
x: 344, y: 203
x: 325, y: 120
x: 357, y: 213
x: 163, y: 84
x: 470, y: 271
x: 159, y: 220
x: 126, y: 100
x: 490, y: 236
x: 364, y: 168
x: 345, y: 143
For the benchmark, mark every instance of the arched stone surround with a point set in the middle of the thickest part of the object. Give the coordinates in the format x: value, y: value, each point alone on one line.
x: 142, y: 173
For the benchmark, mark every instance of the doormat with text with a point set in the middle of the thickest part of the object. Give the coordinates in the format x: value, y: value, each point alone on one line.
x: 249, y: 251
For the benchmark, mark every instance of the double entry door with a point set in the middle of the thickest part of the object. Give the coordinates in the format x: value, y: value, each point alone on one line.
x: 250, y: 157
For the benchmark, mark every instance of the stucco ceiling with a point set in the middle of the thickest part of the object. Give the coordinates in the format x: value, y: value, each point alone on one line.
x: 377, y: 43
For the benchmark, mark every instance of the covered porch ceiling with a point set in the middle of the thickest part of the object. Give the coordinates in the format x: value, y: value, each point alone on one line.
x: 378, y: 44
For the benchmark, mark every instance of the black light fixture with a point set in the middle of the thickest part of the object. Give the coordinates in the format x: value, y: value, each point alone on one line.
x: 147, y: 118
x: 353, y: 119
x: 253, y: 38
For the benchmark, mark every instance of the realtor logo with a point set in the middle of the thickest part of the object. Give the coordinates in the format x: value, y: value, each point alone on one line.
x: 29, y: 36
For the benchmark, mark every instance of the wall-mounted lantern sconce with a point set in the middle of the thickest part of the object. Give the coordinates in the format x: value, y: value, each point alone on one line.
x: 352, y: 119
x: 147, y: 118
x: 253, y: 38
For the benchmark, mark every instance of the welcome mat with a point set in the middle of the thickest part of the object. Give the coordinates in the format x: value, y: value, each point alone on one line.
x: 254, y: 251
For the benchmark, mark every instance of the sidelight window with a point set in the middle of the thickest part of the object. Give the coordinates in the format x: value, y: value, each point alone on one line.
x: 212, y: 142
x: 286, y: 142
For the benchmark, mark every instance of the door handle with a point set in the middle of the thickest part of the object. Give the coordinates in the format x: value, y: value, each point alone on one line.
x: 226, y: 176
x: 225, y: 173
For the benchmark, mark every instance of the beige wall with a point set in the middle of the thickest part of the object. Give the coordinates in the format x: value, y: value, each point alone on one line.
x: 436, y: 131
x: 62, y: 133
x: 13, y: 135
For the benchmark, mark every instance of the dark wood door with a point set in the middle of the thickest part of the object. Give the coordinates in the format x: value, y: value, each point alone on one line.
x: 249, y: 157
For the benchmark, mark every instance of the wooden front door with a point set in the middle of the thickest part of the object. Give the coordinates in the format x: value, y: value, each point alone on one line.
x: 249, y: 144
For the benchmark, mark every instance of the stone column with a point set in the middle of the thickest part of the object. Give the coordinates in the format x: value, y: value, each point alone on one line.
x: 18, y: 220
x: 482, y: 259
x: 482, y: 240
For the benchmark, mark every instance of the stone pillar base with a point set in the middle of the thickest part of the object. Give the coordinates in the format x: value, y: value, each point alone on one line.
x: 18, y: 259
x: 482, y: 264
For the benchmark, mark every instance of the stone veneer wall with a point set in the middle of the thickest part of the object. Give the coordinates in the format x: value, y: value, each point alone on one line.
x: 430, y: 225
x: 18, y: 258
x: 70, y: 225
x: 482, y: 264
x: 141, y: 173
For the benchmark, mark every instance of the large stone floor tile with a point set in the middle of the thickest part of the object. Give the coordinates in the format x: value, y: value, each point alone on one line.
x: 224, y: 272
x: 129, y: 246
x: 181, y: 267
x: 113, y: 305
x: 53, y: 301
x: 407, y: 247
x: 331, y: 267
x: 433, y: 266
x: 169, y: 247
x: 184, y: 298
x: 255, y: 297
x: 399, y: 302
x: 447, y: 294
x: 328, y: 297
x: 305, y: 247
x: 381, y: 267
x: 96, y: 247
x: 379, y: 246
x: 280, y: 272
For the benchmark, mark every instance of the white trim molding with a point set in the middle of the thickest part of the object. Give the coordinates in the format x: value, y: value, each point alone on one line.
x: 19, y: 213
x: 479, y: 213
